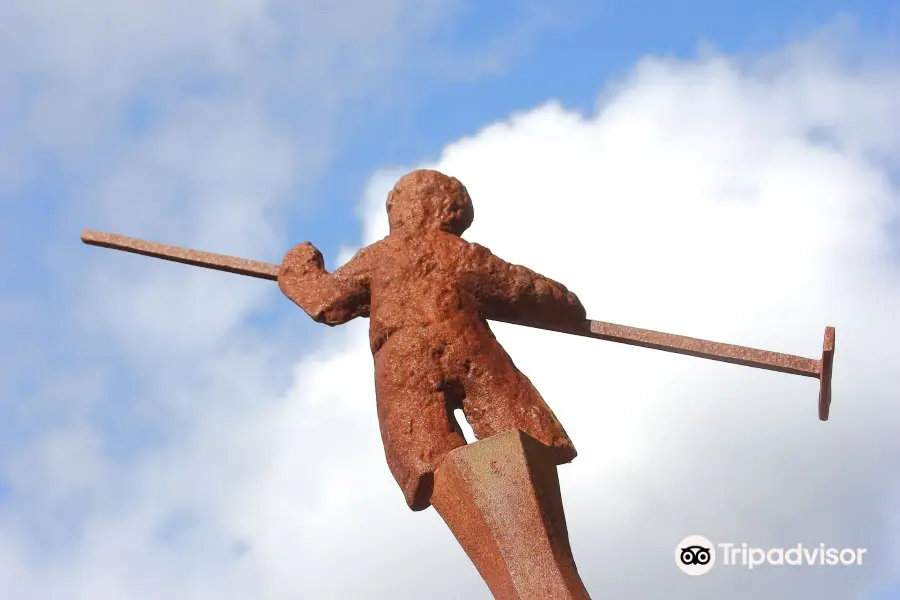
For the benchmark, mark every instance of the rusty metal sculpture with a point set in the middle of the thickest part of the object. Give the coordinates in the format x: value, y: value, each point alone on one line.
x: 429, y: 294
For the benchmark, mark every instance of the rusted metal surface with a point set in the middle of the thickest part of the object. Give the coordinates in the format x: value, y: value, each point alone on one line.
x: 825, y: 376
x: 730, y: 353
x: 423, y: 288
x: 501, y: 499
x: 428, y: 295
x: 611, y: 332
x: 208, y: 260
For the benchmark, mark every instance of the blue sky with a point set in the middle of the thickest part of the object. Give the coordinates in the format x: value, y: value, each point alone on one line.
x: 130, y: 389
x: 570, y: 54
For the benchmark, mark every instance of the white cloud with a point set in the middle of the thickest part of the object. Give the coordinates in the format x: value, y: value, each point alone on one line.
x: 694, y: 201
x: 699, y: 200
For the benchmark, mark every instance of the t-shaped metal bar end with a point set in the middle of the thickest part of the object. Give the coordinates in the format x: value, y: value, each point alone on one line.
x: 825, y: 374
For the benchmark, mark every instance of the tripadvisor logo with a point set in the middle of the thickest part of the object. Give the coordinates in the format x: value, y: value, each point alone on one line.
x: 696, y: 555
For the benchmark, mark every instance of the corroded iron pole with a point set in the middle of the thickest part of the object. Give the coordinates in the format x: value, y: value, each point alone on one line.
x: 820, y: 369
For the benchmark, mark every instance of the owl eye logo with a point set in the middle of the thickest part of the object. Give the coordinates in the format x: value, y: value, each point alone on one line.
x: 695, y: 555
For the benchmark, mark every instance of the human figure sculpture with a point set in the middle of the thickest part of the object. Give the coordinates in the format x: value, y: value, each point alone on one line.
x: 427, y: 293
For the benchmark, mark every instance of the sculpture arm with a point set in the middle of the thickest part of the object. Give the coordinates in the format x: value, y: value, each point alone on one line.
x: 330, y: 298
x: 509, y: 292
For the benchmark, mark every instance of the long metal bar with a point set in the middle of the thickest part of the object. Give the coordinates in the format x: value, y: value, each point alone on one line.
x: 623, y: 334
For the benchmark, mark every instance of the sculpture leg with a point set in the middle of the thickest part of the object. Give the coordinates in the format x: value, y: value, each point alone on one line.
x: 501, y: 499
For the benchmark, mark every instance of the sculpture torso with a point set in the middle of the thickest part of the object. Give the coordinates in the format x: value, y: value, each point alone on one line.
x: 419, y: 288
x: 427, y: 293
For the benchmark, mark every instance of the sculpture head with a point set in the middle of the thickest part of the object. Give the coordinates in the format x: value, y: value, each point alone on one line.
x: 426, y: 200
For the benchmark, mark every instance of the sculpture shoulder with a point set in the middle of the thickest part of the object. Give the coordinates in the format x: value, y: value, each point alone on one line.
x: 364, y: 264
x: 372, y: 253
x: 474, y: 254
x: 461, y: 253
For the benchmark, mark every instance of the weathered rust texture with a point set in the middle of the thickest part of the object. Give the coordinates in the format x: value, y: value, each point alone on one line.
x: 825, y: 377
x: 428, y: 294
x: 501, y: 499
x: 729, y: 353
x: 424, y: 289
x: 749, y: 357
x: 208, y: 260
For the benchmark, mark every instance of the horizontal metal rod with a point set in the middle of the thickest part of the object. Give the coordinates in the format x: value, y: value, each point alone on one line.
x: 680, y: 344
x: 623, y: 334
x: 207, y: 260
